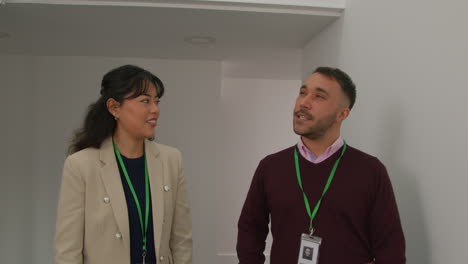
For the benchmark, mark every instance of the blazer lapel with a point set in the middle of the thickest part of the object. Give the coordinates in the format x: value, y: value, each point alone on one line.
x: 156, y: 173
x: 113, y: 184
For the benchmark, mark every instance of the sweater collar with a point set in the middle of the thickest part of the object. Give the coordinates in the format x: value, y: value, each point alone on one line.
x: 308, y: 155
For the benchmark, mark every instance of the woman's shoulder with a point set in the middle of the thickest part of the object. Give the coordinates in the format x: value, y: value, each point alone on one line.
x: 84, y: 155
x: 164, y: 148
x: 166, y: 154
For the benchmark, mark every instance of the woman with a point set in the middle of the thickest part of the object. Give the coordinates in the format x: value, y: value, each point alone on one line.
x: 123, y: 197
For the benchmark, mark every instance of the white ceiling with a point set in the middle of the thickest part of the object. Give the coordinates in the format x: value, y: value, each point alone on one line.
x: 157, y: 29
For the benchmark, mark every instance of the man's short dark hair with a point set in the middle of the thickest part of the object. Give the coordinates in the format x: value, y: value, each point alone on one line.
x: 343, y: 79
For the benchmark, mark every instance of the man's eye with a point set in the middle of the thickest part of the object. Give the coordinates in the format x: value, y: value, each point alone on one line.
x: 145, y: 101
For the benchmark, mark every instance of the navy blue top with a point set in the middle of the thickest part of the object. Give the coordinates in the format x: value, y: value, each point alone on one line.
x: 136, y: 172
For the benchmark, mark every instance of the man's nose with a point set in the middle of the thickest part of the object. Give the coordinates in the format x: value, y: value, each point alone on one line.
x: 305, y: 102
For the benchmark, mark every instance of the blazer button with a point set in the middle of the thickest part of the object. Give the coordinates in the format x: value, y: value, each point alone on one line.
x: 106, y: 200
x: 167, y: 188
x: 161, y: 258
x: 118, y: 235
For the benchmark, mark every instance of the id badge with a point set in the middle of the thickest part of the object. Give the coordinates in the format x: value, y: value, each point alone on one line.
x: 309, y: 250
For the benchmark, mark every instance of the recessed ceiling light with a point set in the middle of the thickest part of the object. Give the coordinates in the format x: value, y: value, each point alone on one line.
x: 4, y: 35
x: 200, y: 40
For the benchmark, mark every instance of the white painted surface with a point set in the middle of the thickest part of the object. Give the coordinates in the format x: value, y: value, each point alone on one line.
x: 323, y: 3
x: 193, y: 3
x: 16, y: 113
x: 158, y: 29
x: 256, y: 121
x: 409, y: 60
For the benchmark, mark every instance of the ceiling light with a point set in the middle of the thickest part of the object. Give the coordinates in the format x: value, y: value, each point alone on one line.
x: 200, y: 40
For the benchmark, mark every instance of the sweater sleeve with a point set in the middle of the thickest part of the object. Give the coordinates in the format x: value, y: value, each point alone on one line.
x: 253, y: 222
x: 388, y: 242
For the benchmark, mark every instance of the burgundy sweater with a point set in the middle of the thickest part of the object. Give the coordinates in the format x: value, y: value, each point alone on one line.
x: 358, y: 219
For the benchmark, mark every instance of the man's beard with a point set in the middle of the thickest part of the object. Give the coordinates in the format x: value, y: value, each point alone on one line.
x: 319, y: 129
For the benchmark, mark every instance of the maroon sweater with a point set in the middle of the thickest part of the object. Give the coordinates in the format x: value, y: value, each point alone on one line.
x: 358, y: 219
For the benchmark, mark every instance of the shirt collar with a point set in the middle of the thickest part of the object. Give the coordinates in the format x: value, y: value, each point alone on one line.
x: 308, y: 155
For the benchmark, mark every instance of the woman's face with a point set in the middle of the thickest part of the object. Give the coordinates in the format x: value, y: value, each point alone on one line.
x: 137, y: 117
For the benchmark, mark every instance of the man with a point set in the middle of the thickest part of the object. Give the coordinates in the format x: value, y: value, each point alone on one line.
x: 355, y: 215
x: 307, y: 253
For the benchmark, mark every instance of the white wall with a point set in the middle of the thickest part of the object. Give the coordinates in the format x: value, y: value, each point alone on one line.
x: 409, y: 61
x: 16, y: 174
x: 44, y: 100
x: 257, y: 100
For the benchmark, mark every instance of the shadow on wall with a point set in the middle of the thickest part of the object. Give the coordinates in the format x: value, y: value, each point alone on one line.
x: 405, y: 186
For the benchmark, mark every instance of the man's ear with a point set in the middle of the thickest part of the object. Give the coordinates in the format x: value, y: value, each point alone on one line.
x: 113, y: 107
x: 344, y: 113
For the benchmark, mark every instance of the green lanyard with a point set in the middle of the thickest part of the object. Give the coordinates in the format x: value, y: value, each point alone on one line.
x: 327, y: 185
x: 144, y: 230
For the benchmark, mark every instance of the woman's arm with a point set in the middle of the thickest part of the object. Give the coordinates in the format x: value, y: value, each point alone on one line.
x: 181, y: 233
x: 69, y: 228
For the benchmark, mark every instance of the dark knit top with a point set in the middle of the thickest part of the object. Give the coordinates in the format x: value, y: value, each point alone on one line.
x: 136, y: 172
x: 358, y: 219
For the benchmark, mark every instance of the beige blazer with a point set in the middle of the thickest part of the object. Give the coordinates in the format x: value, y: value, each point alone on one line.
x: 92, y: 222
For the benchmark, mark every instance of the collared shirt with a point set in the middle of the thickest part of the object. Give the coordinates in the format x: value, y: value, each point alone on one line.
x: 308, y: 155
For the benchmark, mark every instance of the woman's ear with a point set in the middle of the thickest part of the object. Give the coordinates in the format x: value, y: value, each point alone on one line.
x: 113, y: 107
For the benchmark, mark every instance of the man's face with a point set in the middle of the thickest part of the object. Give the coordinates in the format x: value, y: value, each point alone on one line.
x: 320, y: 106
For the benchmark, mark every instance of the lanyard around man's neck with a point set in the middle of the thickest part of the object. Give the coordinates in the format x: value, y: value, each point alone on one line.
x: 325, y: 189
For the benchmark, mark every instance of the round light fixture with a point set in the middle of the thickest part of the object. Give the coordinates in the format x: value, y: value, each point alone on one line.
x: 200, y: 40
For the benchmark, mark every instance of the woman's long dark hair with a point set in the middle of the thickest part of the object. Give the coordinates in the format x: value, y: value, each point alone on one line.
x: 99, y: 124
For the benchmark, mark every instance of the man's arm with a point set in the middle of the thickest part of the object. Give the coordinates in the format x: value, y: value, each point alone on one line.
x: 253, y: 222
x: 388, y: 242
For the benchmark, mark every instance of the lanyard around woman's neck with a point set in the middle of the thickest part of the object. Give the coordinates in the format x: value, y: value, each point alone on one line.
x: 144, y: 225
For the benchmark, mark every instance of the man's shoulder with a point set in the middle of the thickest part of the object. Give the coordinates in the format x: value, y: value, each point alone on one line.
x: 359, y: 156
x: 281, y: 155
x: 359, y: 153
